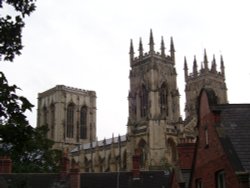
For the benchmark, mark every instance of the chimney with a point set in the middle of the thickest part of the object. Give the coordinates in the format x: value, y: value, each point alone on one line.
x: 5, y: 165
x: 185, y: 150
x: 75, y: 175
x: 64, y: 166
x: 136, y: 166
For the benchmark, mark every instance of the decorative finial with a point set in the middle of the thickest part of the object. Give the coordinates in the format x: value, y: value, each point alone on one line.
x: 172, y: 50
x: 205, y: 60
x: 131, y: 51
x: 213, y: 68
x: 151, y: 42
x: 162, y: 47
x: 140, y: 48
x: 222, y: 66
x: 195, y: 72
x: 185, y: 68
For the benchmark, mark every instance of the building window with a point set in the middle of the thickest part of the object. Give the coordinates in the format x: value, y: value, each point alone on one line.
x: 198, y: 183
x: 164, y: 99
x: 70, y: 120
x: 83, y: 122
x: 52, y: 120
x: 144, y: 101
x: 220, y: 179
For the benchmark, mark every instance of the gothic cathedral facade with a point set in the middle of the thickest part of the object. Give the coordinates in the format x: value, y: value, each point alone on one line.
x: 154, y: 126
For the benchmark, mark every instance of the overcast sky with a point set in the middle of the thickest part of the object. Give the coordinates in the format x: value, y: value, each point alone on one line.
x: 85, y: 44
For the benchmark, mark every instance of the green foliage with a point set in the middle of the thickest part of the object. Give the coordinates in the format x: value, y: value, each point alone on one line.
x: 11, y: 28
x: 28, y: 147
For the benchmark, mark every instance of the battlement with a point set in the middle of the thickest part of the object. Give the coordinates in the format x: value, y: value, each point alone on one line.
x: 143, y: 57
x: 204, y: 70
x: 68, y: 89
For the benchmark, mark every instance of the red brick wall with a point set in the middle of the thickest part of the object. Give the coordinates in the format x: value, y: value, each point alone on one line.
x: 210, y: 156
x: 185, y: 151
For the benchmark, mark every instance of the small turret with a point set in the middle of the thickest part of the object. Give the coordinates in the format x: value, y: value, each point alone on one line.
x: 195, y: 72
x: 205, y: 60
x: 151, y: 42
x: 172, y: 50
x: 162, y: 47
x: 222, y: 68
x: 213, y: 68
x: 185, y: 68
x: 131, y: 51
x: 140, y: 48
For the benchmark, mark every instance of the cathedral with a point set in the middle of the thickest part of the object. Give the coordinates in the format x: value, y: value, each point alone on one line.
x: 154, y: 126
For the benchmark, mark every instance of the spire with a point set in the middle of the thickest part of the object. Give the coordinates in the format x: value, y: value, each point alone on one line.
x: 195, y: 72
x: 222, y: 68
x: 213, y: 68
x: 201, y: 67
x: 162, y: 47
x: 185, y: 68
x: 151, y: 42
x: 140, y: 49
x: 205, y: 60
x: 172, y: 50
x: 131, y: 50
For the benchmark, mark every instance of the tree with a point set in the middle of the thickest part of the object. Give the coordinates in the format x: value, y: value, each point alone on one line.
x: 11, y: 28
x: 28, y: 147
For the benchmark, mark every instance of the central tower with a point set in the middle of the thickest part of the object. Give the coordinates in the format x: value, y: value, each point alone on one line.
x: 153, y: 105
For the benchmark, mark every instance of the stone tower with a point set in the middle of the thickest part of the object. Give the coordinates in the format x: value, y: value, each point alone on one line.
x: 197, y: 80
x: 70, y: 115
x: 153, y: 105
x: 204, y: 78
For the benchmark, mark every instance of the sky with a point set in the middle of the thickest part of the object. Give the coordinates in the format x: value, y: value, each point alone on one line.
x: 85, y: 44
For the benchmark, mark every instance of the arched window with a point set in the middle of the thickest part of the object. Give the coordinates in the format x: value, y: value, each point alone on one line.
x: 164, y: 99
x: 144, y: 101
x: 52, y: 120
x: 70, y: 120
x: 45, y: 116
x: 141, y: 151
x: 171, y: 146
x: 124, y: 160
x: 83, y: 122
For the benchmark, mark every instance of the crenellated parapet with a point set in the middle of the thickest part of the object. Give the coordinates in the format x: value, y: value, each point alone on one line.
x: 144, y: 57
x: 204, y: 70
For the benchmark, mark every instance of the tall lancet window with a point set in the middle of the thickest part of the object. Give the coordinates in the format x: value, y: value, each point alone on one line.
x: 164, y: 99
x: 52, y: 120
x: 144, y: 101
x: 70, y: 120
x: 83, y: 122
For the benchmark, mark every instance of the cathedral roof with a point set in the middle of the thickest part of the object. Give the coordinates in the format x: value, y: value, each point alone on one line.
x: 100, y: 143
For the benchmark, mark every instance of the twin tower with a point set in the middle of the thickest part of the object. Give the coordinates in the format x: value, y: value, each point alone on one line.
x: 154, y: 126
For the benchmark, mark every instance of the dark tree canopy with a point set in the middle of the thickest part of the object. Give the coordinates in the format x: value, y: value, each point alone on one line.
x: 11, y: 28
x: 28, y: 147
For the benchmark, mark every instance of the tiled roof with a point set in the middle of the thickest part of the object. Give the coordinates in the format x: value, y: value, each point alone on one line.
x: 235, y: 133
x: 100, y: 143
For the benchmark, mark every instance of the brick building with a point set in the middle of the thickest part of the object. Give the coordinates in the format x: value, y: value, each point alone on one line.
x: 222, y: 154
